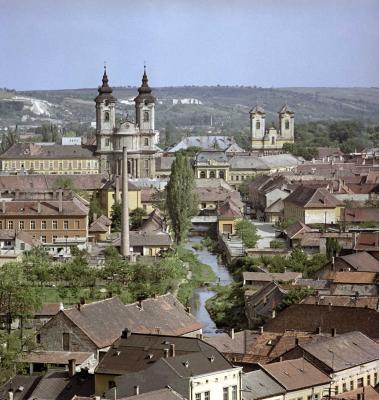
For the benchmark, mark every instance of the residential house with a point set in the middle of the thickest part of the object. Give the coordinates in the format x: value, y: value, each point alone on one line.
x: 350, y: 359
x: 261, y: 304
x: 100, y: 229
x: 163, y: 166
x: 111, y: 192
x: 329, y: 154
x: 300, y: 379
x: 367, y: 241
x: 191, y: 367
x: 354, y: 283
x: 95, y: 326
x: 344, y: 301
x: 258, y: 385
x: 274, y: 212
x: 353, y: 216
x: 324, y: 318
x: 13, y: 243
x: 47, y: 220
x: 260, y: 279
x: 211, y: 164
x: 49, y: 159
x: 312, y: 206
x: 265, y: 191
x: 228, y: 214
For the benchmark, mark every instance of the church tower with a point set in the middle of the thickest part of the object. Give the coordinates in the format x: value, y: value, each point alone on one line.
x: 287, y: 123
x: 105, y: 122
x: 257, y: 126
x: 145, y: 106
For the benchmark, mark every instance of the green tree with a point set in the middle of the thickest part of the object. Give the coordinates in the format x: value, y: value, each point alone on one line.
x: 247, y: 232
x: 296, y: 295
x: 332, y: 247
x: 116, y: 216
x: 136, y: 218
x: 63, y: 182
x: 180, y: 199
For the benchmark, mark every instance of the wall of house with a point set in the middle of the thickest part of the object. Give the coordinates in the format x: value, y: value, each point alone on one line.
x: 52, y: 166
x: 224, y: 222
x: 321, y: 216
x: 349, y: 289
x: 108, y: 197
x: 102, y: 383
x: 348, y: 379
x: 216, y: 382
x: 316, y: 393
x: 292, y: 211
x: 51, y: 336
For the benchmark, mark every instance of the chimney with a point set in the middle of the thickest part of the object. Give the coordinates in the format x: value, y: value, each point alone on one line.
x: 334, y: 332
x: 166, y: 352
x: 126, y: 333
x: 354, y: 239
x: 3, y: 206
x: 61, y: 306
x: 332, y: 265
x: 273, y: 314
x: 71, y: 367
x: 136, y: 390
x: 296, y: 341
x: 39, y: 207
x: 60, y: 200
x: 200, y: 335
x: 10, y: 394
x: 261, y: 330
x: 125, y: 246
x: 114, y: 395
x: 231, y: 333
x: 172, y: 350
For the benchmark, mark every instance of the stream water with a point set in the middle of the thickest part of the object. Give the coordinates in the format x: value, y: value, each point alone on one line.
x: 201, y: 295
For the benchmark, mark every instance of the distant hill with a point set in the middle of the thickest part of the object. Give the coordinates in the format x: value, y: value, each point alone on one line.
x: 193, y: 106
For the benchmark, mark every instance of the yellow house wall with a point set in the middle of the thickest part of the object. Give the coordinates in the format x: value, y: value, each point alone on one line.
x: 107, y: 199
x: 52, y: 166
x: 102, y: 383
x: 226, y: 221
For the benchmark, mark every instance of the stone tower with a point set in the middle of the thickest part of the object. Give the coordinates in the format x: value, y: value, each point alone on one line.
x: 105, y: 123
x: 257, y: 126
x: 145, y: 106
x: 287, y: 123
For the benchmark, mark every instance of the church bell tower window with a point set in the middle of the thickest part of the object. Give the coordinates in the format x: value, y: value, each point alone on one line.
x: 146, y: 116
x: 258, y: 125
x: 287, y: 124
x: 106, y: 116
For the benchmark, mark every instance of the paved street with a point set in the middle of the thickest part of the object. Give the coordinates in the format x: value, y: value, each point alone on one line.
x: 267, y: 233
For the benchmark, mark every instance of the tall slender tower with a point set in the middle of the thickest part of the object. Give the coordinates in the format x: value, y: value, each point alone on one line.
x: 257, y: 126
x: 105, y: 122
x: 145, y: 105
x: 287, y: 123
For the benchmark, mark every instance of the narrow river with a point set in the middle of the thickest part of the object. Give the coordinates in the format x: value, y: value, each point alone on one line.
x: 201, y: 295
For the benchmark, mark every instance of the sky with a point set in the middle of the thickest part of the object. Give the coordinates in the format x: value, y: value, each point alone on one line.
x: 58, y: 44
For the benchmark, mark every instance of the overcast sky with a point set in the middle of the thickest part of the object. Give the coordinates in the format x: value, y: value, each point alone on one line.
x: 48, y: 44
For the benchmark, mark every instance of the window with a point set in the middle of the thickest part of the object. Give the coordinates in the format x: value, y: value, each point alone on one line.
x: 198, y: 396
x: 258, y: 125
x: 351, y: 385
x: 146, y: 116
x: 344, y: 387
x: 207, y: 395
x: 106, y: 116
x: 21, y: 224
x: 212, y: 174
x: 273, y: 140
x: 234, y: 392
x: 111, y: 384
x: 146, y: 142
x: 32, y: 225
x: 50, y: 165
x: 61, y: 166
x: 66, y: 341
x: 225, y: 393
x: 360, y: 382
x: 202, y: 174
x: 10, y: 224
x: 1, y: 224
x: 54, y: 238
x: 55, y: 224
x: 43, y: 239
x: 368, y: 380
x: 107, y: 142
x: 221, y: 174
x: 43, y: 224
x: 316, y: 396
x: 287, y: 124
x: 65, y: 225
x: 203, y: 205
x: 336, y: 390
x: 375, y: 378
x: 38, y: 338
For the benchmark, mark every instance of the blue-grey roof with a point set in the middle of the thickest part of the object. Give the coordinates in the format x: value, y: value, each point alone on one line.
x: 259, y: 385
x: 205, y: 156
x: 204, y: 142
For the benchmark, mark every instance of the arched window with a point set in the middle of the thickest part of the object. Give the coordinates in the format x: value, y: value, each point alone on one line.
x: 212, y: 174
x: 202, y: 175
x: 287, y: 124
x: 221, y: 174
x: 146, y: 116
x: 258, y: 125
x: 273, y: 140
x: 106, y: 116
